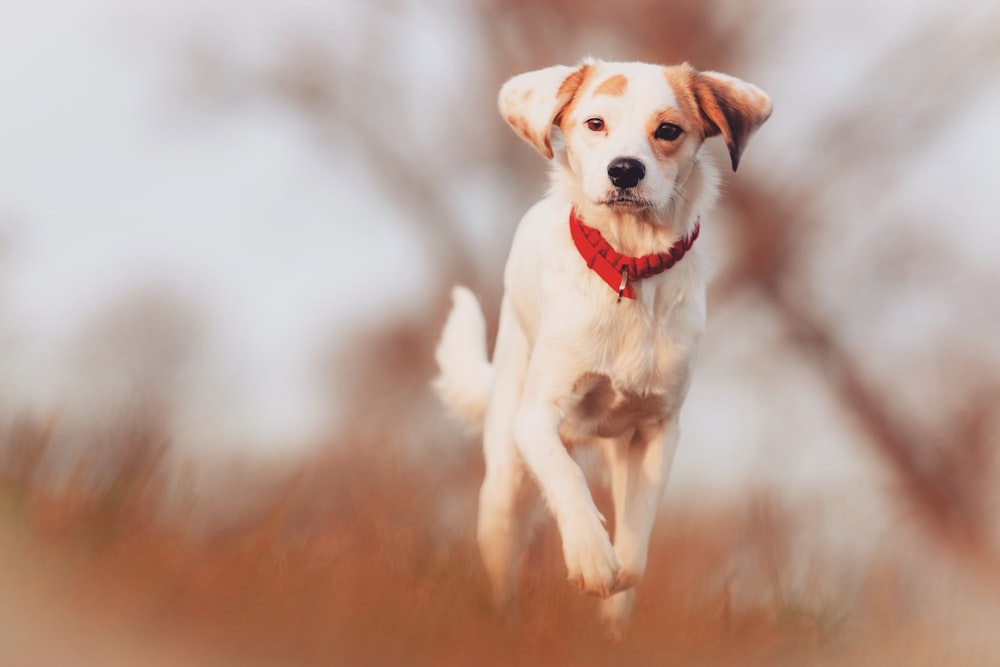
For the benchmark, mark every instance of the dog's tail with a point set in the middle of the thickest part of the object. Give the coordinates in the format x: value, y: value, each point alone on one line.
x: 466, y: 374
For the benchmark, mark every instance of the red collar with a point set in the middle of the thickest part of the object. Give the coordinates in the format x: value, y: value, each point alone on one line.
x: 618, y: 270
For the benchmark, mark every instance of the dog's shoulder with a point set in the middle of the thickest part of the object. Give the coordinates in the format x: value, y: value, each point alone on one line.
x: 539, y: 255
x: 542, y: 240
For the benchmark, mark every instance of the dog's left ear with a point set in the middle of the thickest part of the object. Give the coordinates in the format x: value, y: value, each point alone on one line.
x: 532, y: 102
x: 730, y: 107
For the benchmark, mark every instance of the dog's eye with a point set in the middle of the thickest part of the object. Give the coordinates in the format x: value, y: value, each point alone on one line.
x: 668, y: 131
x: 595, y: 124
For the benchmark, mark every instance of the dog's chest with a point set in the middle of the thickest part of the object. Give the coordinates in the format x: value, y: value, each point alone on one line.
x: 640, y: 353
x: 635, y: 375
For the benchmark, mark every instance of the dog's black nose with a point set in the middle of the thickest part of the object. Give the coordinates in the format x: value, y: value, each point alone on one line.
x: 626, y: 172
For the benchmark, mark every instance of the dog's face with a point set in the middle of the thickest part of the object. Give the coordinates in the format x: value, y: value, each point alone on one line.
x: 632, y: 130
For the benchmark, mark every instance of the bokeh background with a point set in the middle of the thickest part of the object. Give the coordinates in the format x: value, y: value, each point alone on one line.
x: 227, y: 235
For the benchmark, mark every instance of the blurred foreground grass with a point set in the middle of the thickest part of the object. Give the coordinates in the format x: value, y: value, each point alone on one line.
x: 366, y: 556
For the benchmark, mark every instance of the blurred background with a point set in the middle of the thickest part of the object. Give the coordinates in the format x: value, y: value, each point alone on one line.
x: 227, y: 236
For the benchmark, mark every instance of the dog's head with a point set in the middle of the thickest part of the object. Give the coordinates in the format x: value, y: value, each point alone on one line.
x: 632, y: 130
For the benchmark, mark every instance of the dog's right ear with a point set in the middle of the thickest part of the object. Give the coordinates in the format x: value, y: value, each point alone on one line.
x: 531, y: 103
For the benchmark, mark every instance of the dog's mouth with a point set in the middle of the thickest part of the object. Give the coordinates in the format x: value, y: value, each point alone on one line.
x: 626, y: 199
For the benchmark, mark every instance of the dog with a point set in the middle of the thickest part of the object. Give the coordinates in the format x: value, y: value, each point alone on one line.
x: 602, y: 313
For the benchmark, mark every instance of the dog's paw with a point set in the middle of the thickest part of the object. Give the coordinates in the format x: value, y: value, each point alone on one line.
x: 627, y: 579
x: 591, y: 563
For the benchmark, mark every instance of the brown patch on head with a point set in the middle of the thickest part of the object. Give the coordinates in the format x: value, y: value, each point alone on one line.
x: 615, y: 86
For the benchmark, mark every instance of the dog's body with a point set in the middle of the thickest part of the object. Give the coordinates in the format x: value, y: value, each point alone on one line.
x: 574, y: 362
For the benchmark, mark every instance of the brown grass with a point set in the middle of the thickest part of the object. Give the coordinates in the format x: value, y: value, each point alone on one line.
x: 365, y: 557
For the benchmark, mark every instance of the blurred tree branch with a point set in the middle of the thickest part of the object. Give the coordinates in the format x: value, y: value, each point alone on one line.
x: 919, y: 89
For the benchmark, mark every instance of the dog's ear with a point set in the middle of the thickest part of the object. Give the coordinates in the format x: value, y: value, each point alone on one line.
x: 730, y: 107
x: 531, y: 103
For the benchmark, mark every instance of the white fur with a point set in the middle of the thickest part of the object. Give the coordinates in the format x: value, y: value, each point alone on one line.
x: 573, y: 366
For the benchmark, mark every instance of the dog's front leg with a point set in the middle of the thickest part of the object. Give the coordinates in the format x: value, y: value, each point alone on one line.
x: 639, y: 469
x: 508, y: 498
x: 590, y: 560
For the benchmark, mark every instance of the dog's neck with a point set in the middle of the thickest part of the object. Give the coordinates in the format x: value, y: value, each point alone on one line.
x: 644, y: 231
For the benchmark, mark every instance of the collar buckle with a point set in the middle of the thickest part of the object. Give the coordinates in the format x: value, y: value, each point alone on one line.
x: 624, y: 283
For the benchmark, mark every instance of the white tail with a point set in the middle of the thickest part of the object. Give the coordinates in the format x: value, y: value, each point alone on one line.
x: 466, y: 374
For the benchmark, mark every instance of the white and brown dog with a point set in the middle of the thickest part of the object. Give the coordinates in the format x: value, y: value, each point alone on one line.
x: 603, y: 310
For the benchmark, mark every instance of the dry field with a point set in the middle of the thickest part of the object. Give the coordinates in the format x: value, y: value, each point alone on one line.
x: 366, y: 558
